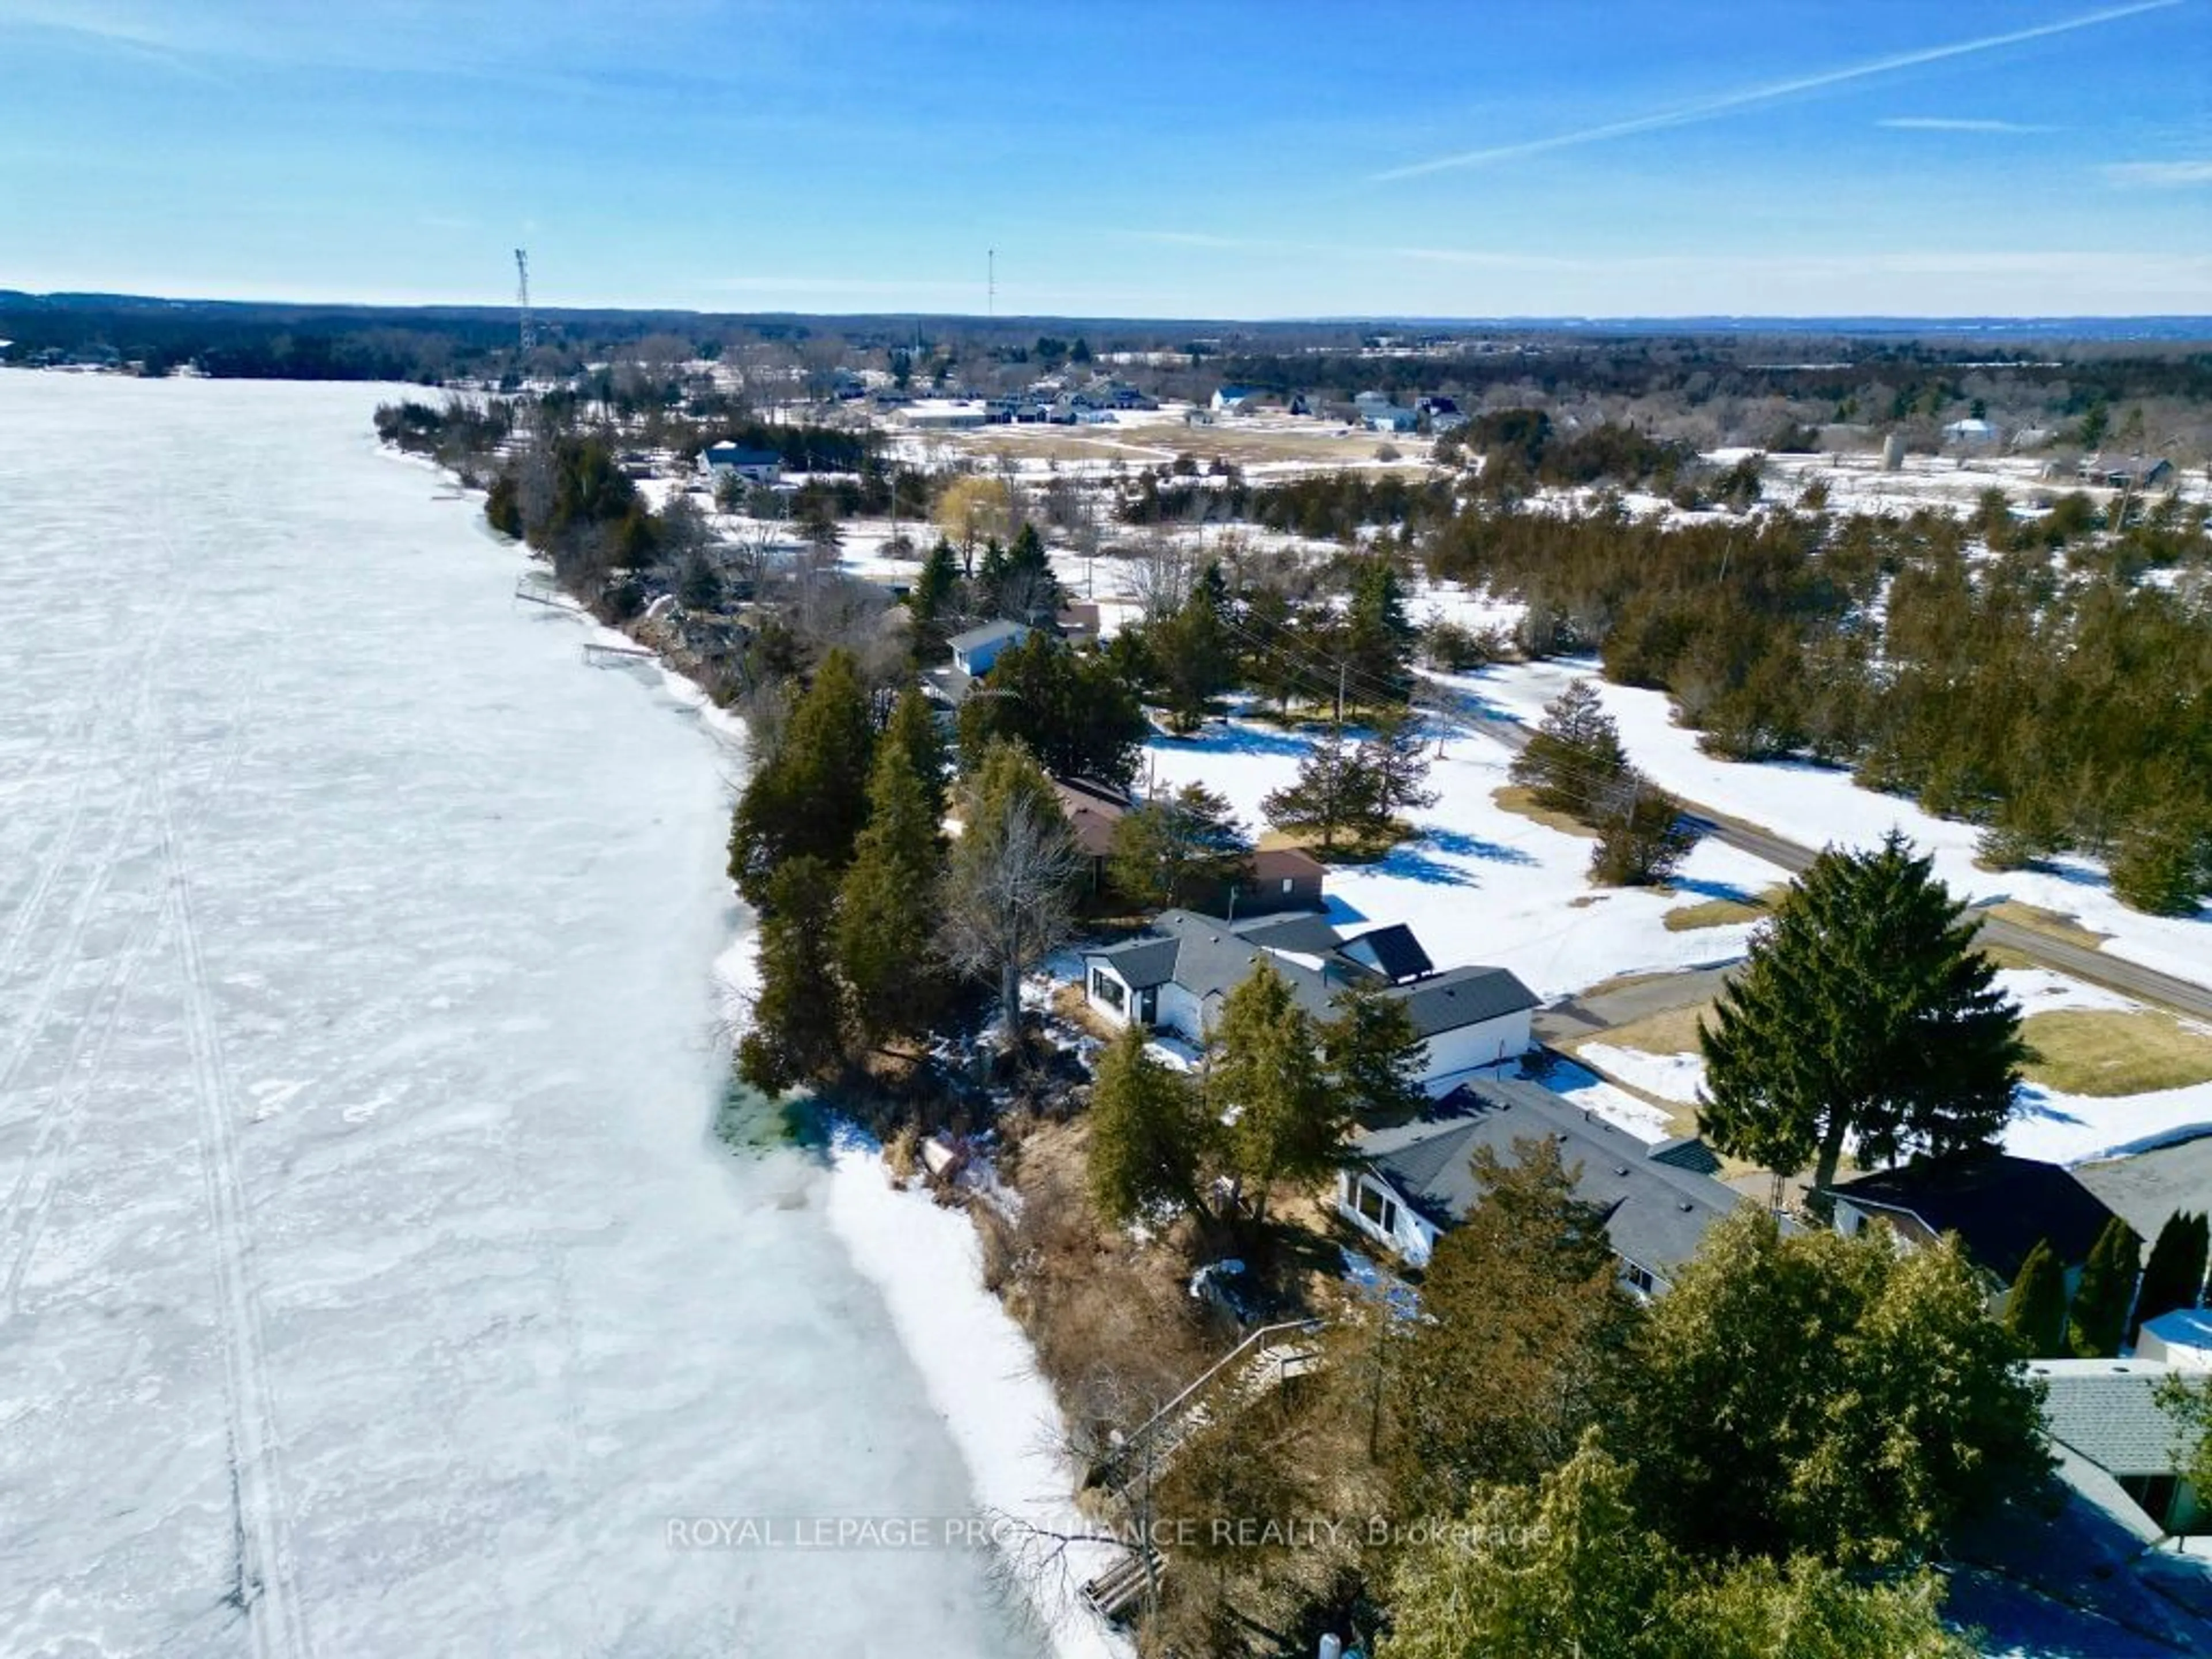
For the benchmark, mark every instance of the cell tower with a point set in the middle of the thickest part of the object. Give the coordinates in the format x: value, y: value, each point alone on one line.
x: 522, y: 298
x: 991, y: 284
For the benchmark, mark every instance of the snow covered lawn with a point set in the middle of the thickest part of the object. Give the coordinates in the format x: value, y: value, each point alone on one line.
x: 1479, y: 884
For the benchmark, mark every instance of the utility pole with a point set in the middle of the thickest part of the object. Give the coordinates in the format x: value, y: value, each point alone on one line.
x: 529, y: 323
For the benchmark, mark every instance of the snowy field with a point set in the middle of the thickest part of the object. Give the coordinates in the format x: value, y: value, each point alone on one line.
x: 1816, y: 806
x: 371, y: 1283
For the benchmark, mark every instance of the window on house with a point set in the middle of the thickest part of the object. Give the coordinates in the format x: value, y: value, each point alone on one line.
x: 1377, y: 1209
x: 1639, y: 1280
x: 1286, y: 884
x: 1105, y: 988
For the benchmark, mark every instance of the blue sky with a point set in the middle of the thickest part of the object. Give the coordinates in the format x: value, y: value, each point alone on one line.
x: 1135, y: 158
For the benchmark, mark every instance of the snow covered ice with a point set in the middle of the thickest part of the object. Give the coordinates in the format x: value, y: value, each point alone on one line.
x: 370, y: 1282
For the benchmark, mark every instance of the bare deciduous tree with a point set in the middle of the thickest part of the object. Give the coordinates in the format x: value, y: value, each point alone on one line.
x: 1008, y: 898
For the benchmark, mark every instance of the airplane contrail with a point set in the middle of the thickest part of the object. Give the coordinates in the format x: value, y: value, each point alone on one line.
x: 1707, y: 109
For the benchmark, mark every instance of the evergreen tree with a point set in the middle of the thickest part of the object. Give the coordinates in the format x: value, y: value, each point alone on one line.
x: 2163, y: 863
x: 1149, y: 1134
x: 1568, y: 1567
x: 798, y: 1030
x: 1894, y: 1407
x: 931, y: 602
x: 913, y: 733
x: 1334, y: 793
x: 1864, y: 1012
x: 809, y: 798
x: 2174, y: 1275
x: 1395, y: 757
x: 1285, y: 1123
x: 1178, y: 848
x: 1642, y: 835
x: 887, y: 903
x: 1375, y: 1055
x: 1379, y: 637
x: 2035, y: 1312
x: 1193, y: 654
x: 1521, y: 1345
x: 1573, y: 755
x: 1071, y: 709
x: 2107, y: 1292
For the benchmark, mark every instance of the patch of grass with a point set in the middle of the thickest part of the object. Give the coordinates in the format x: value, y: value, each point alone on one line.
x: 1721, y: 912
x: 2049, y: 922
x: 1514, y: 798
x: 1363, y: 849
x: 2102, y: 1053
x: 1671, y: 1032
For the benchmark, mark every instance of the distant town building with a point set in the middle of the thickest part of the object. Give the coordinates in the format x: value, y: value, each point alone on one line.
x: 946, y: 415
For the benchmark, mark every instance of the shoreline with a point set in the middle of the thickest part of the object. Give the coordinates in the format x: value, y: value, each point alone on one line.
x: 924, y: 1260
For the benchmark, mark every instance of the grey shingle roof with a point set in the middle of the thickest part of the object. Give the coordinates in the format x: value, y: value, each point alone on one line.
x: 2107, y: 1411
x: 1463, y: 996
x: 1209, y: 957
x: 1657, y: 1214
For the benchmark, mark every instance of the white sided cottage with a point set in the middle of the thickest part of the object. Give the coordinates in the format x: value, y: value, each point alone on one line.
x: 1176, y: 977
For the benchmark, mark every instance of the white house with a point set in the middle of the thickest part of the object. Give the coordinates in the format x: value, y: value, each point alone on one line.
x: 975, y: 651
x: 1177, y: 978
x: 1408, y: 1185
x: 1972, y: 433
x: 1232, y: 399
x: 718, y: 461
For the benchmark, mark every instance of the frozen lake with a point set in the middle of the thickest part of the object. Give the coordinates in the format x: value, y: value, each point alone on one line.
x: 369, y: 1282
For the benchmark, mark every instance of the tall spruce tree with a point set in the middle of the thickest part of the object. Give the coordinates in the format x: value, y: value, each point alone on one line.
x: 797, y: 1027
x: 1285, y: 1123
x: 2174, y: 1275
x: 1864, y: 1012
x: 1521, y: 1346
x: 1149, y: 1134
x: 912, y: 731
x: 2035, y: 1312
x: 1379, y: 637
x: 887, y: 903
x: 1573, y: 755
x: 1395, y: 754
x: 1193, y: 652
x: 809, y: 798
x: 2107, y: 1292
x: 931, y: 602
x: 1374, y: 1052
x: 1642, y: 835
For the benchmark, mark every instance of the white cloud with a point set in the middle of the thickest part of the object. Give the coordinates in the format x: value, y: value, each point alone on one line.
x: 1958, y: 124
x: 1727, y: 103
x: 2161, y: 175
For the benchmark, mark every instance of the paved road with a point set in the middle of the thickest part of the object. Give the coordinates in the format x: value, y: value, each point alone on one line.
x: 2098, y: 966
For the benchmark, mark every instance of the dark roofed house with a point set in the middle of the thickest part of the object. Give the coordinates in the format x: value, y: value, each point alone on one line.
x: 1177, y: 978
x: 1411, y: 1184
x: 752, y: 465
x: 1092, y: 808
x: 2000, y: 1205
